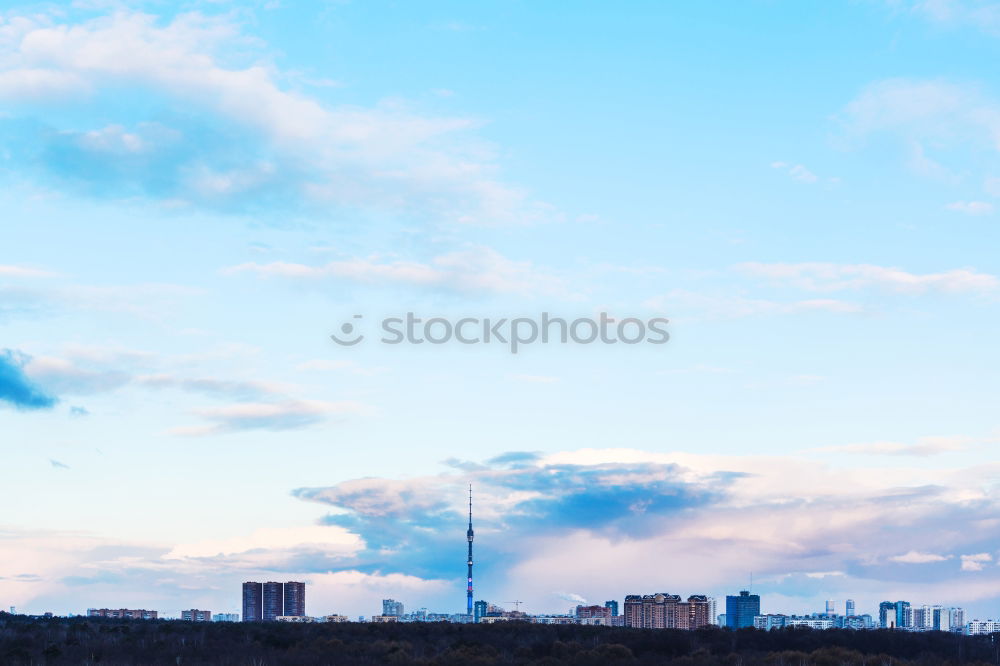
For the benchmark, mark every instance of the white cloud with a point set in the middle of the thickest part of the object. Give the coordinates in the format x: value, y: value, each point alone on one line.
x: 800, y: 173
x: 39, y: 84
x: 65, y: 377
x: 819, y: 276
x: 925, y: 446
x: 473, y: 269
x: 24, y: 272
x: 329, y: 538
x: 925, y: 113
x: 330, y: 365
x: 976, y: 561
x: 535, y: 379
x: 683, y: 303
x: 917, y: 557
x: 991, y: 185
x: 971, y: 207
x: 386, y: 155
x: 981, y: 14
x: 215, y: 386
x: 796, y: 172
x: 285, y: 415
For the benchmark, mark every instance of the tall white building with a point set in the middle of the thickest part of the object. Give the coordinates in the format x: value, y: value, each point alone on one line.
x: 849, y: 609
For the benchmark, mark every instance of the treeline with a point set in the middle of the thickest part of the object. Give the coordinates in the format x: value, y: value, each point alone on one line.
x: 85, y: 641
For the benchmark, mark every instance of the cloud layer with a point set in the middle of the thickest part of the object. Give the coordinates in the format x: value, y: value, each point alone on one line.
x: 228, y: 135
x: 16, y: 388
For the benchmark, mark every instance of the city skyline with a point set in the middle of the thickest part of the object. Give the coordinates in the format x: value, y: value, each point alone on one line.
x: 211, y: 209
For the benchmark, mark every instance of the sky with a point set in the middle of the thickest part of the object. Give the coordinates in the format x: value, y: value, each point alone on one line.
x: 195, y: 196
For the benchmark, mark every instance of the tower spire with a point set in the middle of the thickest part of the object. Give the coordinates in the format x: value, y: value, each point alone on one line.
x: 470, y: 534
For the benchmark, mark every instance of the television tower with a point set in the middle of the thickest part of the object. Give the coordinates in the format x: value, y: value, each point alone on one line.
x: 469, y: 534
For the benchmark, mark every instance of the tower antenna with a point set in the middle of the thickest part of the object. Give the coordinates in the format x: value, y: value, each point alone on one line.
x: 470, y: 534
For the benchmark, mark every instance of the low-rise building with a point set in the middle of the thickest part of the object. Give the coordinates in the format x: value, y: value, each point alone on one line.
x: 979, y: 627
x: 123, y: 613
x: 195, y: 615
x: 335, y: 618
x: 814, y: 621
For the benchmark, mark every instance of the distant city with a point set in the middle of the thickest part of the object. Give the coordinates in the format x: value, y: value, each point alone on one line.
x: 286, y: 602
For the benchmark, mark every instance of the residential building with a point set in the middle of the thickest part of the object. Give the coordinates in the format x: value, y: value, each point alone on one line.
x: 613, y: 605
x: 551, y: 619
x: 814, y: 621
x: 904, y: 615
x: 295, y: 598
x: 887, y: 614
x: 392, y: 607
x: 195, y: 615
x: 849, y: 608
x: 226, y: 617
x: 956, y: 617
x: 382, y: 619
x: 598, y: 621
x: 123, y: 613
x: 742, y: 609
x: 859, y: 622
x: 651, y: 611
x: 978, y: 627
x: 253, y: 601
x: 273, y: 601
x: 667, y: 611
x: 695, y: 613
x: 480, y: 609
x: 592, y: 611
x: 831, y: 607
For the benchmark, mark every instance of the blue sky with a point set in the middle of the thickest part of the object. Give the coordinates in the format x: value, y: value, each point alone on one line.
x: 195, y: 196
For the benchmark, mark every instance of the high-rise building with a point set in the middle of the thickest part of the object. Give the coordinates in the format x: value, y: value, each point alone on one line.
x: 273, y: 596
x: 253, y: 598
x: 480, y: 609
x: 887, y: 614
x: 392, y: 608
x: 667, y: 611
x: 295, y: 599
x: 904, y: 615
x: 742, y: 609
x: 613, y: 605
x: 849, y: 610
x: 696, y: 612
x: 830, y: 607
x: 956, y: 618
x: 633, y: 610
x: 195, y: 615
